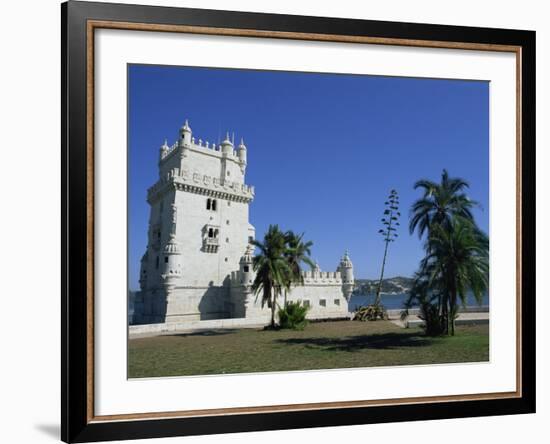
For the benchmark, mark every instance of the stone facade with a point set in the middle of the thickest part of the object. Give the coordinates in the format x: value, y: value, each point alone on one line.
x: 198, y: 261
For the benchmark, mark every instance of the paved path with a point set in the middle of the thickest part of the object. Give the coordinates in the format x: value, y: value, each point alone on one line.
x: 463, y: 319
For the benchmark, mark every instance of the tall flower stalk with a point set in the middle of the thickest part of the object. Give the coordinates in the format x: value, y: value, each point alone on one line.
x: 390, y: 222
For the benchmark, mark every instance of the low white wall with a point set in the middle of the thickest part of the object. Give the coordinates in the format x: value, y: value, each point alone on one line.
x: 212, y: 324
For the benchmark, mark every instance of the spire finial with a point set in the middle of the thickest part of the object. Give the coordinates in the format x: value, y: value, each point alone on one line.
x: 227, y: 140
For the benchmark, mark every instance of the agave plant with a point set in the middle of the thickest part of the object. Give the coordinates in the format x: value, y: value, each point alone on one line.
x: 370, y: 312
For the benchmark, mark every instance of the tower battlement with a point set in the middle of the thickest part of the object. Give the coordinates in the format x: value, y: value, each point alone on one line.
x: 322, y: 276
x: 199, y: 146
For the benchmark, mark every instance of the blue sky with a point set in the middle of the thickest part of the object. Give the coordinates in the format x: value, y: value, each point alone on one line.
x: 324, y: 150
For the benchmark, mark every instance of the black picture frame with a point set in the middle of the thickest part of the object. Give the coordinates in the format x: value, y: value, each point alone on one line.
x: 76, y: 423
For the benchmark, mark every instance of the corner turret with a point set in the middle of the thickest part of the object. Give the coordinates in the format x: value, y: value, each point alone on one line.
x: 241, y: 152
x: 143, y: 271
x: 246, y: 266
x: 346, y: 271
x: 186, y: 134
x: 171, y: 271
x: 227, y: 146
x: 163, y: 150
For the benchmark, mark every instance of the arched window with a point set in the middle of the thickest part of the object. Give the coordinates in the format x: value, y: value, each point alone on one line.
x: 214, y: 202
x: 208, y: 204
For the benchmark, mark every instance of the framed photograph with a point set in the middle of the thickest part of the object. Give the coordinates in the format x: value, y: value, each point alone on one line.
x: 275, y: 221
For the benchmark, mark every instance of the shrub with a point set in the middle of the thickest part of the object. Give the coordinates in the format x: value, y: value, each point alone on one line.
x: 371, y: 312
x: 293, y: 316
x: 430, y: 312
x: 434, y: 323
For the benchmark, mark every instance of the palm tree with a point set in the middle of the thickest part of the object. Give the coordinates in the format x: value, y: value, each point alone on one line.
x: 297, y: 252
x: 457, y: 262
x: 440, y: 203
x: 273, y: 272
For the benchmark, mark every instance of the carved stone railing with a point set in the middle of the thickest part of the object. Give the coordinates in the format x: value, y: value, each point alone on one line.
x: 201, y: 184
x: 210, y: 244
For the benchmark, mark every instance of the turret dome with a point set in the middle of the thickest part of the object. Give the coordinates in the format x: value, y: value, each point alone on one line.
x: 248, y: 255
x: 345, y: 262
x: 172, y: 246
x: 227, y: 145
x: 186, y: 127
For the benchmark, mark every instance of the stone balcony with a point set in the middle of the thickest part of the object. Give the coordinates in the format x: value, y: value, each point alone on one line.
x: 210, y: 244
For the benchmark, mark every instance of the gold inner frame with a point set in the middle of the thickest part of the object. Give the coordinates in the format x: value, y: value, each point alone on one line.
x: 92, y: 25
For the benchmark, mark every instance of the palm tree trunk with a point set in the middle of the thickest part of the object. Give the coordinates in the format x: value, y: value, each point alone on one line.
x: 273, y: 305
x: 453, y: 312
x: 445, y: 311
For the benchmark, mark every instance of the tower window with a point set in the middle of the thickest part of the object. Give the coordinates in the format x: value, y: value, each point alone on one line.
x: 246, y: 268
x: 211, y: 204
x: 211, y: 232
x: 165, y: 259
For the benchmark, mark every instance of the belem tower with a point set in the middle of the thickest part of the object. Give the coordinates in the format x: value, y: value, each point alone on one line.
x: 198, y: 261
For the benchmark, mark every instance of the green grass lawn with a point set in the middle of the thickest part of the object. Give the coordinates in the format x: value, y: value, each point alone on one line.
x: 322, y: 345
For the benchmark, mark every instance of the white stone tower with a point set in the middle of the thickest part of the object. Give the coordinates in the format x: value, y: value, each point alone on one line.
x: 198, y: 231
